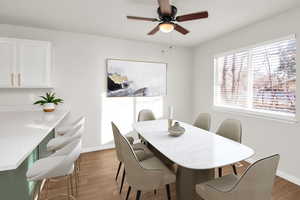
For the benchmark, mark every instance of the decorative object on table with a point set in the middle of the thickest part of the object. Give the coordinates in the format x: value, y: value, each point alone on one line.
x: 170, y: 123
x: 127, y: 78
x: 170, y: 117
x: 49, y: 102
x: 176, y: 130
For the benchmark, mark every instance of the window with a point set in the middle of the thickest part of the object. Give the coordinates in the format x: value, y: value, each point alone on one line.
x: 259, y: 79
x: 124, y: 111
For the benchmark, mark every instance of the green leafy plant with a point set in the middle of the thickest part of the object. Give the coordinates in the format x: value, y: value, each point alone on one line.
x: 49, y: 98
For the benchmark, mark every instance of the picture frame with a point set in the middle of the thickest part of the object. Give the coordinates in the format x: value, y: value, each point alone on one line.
x: 132, y: 78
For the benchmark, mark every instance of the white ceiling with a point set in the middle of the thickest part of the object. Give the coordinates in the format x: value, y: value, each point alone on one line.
x: 108, y: 17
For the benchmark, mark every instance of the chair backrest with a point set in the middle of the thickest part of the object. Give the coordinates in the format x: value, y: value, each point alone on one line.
x: 257, y: 181
x: 80, y: 120
x: 67, y: 149
x: 231, y: 129
x: 130, y: 160
x: 117, y: 134
x: 137, y: 176
x: 146, y: 115
x: 71, y: 154
x: 203, y: 121
x: 77, y: 132
x: 78, y: 123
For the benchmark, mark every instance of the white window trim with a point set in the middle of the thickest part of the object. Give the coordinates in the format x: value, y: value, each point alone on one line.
x: 261, y: 114
x: 289, y: 37
x: 257, y: 113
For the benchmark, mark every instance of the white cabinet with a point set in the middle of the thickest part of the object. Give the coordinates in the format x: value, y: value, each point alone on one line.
x: 7, y: 62
x: 33, y: 65
x: 25, y: 63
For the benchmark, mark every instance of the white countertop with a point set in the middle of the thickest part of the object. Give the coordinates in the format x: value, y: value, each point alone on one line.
x: 21, y: 132
x: 196, y: 148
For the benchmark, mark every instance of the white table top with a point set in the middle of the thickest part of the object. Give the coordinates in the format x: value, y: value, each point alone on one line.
x: 196, y: 148
x: 21, y: 132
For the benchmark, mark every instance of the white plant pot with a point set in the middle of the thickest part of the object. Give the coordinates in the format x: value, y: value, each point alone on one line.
x: 49, y: 107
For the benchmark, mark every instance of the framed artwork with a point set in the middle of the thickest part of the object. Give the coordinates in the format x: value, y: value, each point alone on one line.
x: 127, y: 78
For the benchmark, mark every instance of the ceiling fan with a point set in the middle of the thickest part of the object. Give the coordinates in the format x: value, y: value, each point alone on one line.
x: 167, y: 17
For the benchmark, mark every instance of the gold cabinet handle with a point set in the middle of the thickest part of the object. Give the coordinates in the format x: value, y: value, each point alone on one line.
x: 19, y: 79
x: 12, y: 79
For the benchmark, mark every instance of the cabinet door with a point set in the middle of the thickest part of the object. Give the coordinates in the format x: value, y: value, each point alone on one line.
x: 33, y: 64
x: 7, y: 62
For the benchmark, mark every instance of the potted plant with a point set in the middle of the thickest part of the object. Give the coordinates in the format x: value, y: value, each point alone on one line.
x: 49, y: 102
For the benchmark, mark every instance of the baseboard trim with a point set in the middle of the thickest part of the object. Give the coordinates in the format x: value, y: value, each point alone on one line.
x: 97, y: 148
x: 281, y: 174
x: 288, y: 177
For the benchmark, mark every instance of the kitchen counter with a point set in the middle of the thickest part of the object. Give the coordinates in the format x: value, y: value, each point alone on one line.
x: 21, y: 132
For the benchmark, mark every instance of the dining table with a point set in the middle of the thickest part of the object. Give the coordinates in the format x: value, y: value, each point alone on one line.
x: 197, y: 152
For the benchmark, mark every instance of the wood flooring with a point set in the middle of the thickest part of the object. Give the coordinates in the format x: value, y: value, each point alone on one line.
x: 97, y: 182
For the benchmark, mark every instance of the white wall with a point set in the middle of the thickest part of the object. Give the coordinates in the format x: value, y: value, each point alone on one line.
x: 79, y: 73
x: 265, y: 136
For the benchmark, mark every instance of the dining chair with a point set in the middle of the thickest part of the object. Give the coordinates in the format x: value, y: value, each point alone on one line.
x: 231, y: 129
x: 140, y: 149
x: 146, y: 175
x: 255, y: 184
x: 62, y: 130
x: 60, y: 165
x: 61, y: 141
x: 66, y: 151
x: 146, y: 115
x: 203, y: 121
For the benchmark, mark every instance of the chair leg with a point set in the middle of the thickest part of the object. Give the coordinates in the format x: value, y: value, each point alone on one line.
x: 38, y: 194
x: 128, y: 192
x: 79, y: 166
x: 220, y: 172
x: 120, y: 164
x: 168, y: 191
x: 123, y: 177
x: 155, y: 192
x: 138, y: 195
x: 47, y: 188
x: 68, y: 187
x: 71, y: 181
x: 234, y: 169
x: 76, y: 181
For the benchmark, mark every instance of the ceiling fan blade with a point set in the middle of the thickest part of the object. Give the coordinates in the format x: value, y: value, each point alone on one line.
x: 192, y: 16
x: 180, y: 29
x: 142, y: 18
x: 154, y: 30
x: 165, y: 7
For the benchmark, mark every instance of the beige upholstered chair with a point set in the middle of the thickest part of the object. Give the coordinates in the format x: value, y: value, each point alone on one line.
x: 255, y: 184
x: 62, y: 130
x: 66, y: 137
x: 146, y: 115
x: 146, y: 175
x: 58, y: 165
x: 231, y: 129
x: 141, y: 150
x: 203, y: 121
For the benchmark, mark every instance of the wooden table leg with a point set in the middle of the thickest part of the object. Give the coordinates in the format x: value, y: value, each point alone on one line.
x: 188, y: 178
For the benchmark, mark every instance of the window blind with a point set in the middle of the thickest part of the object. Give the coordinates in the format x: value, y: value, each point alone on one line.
x: 260, y: 78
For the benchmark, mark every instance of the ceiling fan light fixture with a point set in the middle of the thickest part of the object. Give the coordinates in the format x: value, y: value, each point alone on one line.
x: 166, y: 27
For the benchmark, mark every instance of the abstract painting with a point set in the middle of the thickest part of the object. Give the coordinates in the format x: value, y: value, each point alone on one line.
x: 127, y: 78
